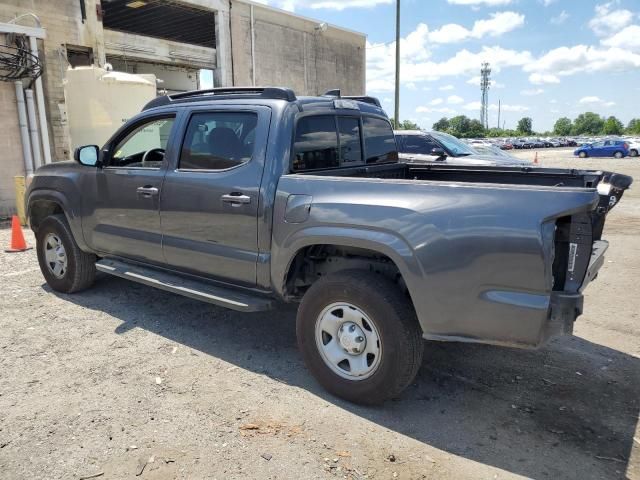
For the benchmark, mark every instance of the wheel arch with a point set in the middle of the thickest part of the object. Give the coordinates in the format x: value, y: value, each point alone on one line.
x: 43, y: 203
x: 385, y: 251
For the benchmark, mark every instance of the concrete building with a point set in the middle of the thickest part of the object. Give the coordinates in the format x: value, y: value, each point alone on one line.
x: 240, y: 42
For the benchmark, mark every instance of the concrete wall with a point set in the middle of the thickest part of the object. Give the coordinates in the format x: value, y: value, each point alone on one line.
x: 63, y: 23
x: 291, y: 52
x: 11, y: 163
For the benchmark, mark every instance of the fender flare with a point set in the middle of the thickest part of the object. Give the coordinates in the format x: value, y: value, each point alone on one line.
x: 386, y: 243
x: 72, y: 215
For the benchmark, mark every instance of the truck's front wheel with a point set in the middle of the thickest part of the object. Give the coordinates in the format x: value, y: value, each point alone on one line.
x: 359, y: 336
x: 65, y: 267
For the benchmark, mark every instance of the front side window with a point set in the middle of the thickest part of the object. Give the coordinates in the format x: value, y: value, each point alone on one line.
x: 418, y: 144
x: 455, y: 147
x: 218, y: 140
x: 380, y: 144
x: 144, y: 146
x: 316, y: 143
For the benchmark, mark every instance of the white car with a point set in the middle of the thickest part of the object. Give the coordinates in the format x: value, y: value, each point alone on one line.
x: 634, y: 146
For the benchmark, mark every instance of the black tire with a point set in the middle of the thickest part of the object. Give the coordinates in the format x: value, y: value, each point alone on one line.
x: 81, y: 269
x: 394, y: 318
x: 583, y: 155
x: 633, y: 152
x: 618, y: 155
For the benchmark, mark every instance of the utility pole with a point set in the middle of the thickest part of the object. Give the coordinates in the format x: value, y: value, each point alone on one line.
x: 498, y: 113
x: 485, y: 72
x: 397, y: 99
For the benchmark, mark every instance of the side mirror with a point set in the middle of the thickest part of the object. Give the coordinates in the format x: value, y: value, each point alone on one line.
x: 438, y: 152
x: 87, y: 155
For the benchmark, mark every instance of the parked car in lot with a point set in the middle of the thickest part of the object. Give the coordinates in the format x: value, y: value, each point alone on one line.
x: 247, y: 197
x: 417, y: 146
x: 634, y: 147
x: 604, y: 148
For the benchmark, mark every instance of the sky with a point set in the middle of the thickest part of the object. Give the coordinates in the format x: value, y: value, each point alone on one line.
x: 549, y: 58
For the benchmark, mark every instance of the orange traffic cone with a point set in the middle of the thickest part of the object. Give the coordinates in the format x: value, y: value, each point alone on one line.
x: 535, y: 159
x: 17, y: 238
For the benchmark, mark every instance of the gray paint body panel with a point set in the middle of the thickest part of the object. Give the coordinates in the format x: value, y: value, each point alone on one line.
x: 476, y: 258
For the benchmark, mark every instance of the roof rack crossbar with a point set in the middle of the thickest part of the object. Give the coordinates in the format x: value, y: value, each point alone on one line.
x: 275, y: 93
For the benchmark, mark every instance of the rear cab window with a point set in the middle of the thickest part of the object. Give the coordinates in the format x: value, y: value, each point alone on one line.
x: 331, y: 141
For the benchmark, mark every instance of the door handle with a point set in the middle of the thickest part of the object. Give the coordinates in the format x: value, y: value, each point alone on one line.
x: 147, y: 191
x: 236, y: 199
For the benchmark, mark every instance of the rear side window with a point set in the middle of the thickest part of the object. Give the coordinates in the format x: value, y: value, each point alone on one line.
x: 350, y: 146
x: 218, y: 140
x: 316, y: 143
x: 380, y: 144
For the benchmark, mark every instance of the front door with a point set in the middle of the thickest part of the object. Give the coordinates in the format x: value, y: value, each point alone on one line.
x: 126, y: 191
x: 209, y: 203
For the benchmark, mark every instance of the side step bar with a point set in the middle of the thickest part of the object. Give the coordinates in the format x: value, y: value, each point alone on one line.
x: 188, y: 287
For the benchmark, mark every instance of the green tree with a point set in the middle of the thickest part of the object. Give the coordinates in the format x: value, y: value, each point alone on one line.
x: 496, y: 132
x: 613, y: 126
x: 563, y: 126
x: 588, y: 123
x: 441, y: 125
x: 476, y: 129
x: 525, y: 126
x: 459, y: 126
x: 634, y: 126
x: 404, y: 125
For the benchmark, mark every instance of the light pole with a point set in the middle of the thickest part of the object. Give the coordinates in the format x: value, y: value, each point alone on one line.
x: 397, y: 99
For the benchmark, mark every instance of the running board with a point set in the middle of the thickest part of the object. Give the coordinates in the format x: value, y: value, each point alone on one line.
x: 174, y: 283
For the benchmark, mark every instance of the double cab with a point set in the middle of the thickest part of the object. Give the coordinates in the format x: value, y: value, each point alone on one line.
x: 250, y: 197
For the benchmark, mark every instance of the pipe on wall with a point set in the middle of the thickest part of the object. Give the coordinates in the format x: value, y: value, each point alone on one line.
x: 253, y: 49
x: 24, y: 129
x: 42, y: 113
x: 33, y: 128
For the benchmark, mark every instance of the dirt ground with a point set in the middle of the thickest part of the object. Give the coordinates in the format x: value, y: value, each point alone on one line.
x: 124, y: 381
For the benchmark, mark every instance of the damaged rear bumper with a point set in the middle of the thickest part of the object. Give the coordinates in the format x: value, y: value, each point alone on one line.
x: 565, y: 307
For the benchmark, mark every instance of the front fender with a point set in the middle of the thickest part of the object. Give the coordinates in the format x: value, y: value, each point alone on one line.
x: 70, y: 209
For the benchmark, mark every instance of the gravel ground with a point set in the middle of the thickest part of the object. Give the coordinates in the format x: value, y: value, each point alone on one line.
x: 124, y: 380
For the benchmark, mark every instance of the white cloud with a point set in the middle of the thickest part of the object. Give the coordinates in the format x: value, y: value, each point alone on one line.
x: 559, y: 19
x: 542, y: 78
x: 446, y: 87
x: 565, y: 61
x: 497, y: 24
x: 290, y: 5
x: 436, y: 101
x: 607, y: 21
x: 426, y: 109
x: 546, y: 3
x: 629, y: 38
x: 593, y: 100
x: 487, y: 3
x: 454, y: 100
x: 532, y: 92
x: 411, y: 86
x: 417, y: 67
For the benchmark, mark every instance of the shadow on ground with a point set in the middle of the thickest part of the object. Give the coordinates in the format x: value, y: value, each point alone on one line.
x: 566, y: 411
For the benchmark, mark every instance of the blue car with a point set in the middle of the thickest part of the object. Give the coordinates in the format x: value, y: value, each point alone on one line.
x: 604, y: 148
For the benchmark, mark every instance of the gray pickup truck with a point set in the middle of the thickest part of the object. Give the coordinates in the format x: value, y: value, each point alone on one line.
x: 247, y: 197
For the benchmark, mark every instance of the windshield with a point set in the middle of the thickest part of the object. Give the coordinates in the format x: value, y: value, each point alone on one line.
x: 453, y: 146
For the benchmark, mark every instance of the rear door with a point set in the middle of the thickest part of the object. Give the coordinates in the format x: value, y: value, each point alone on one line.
x: 125, y: 192
x: 209, y: 202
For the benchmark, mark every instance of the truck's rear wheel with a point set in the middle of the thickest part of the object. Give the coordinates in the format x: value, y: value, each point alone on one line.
x: 359, y: 336
x: 65, y: 267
